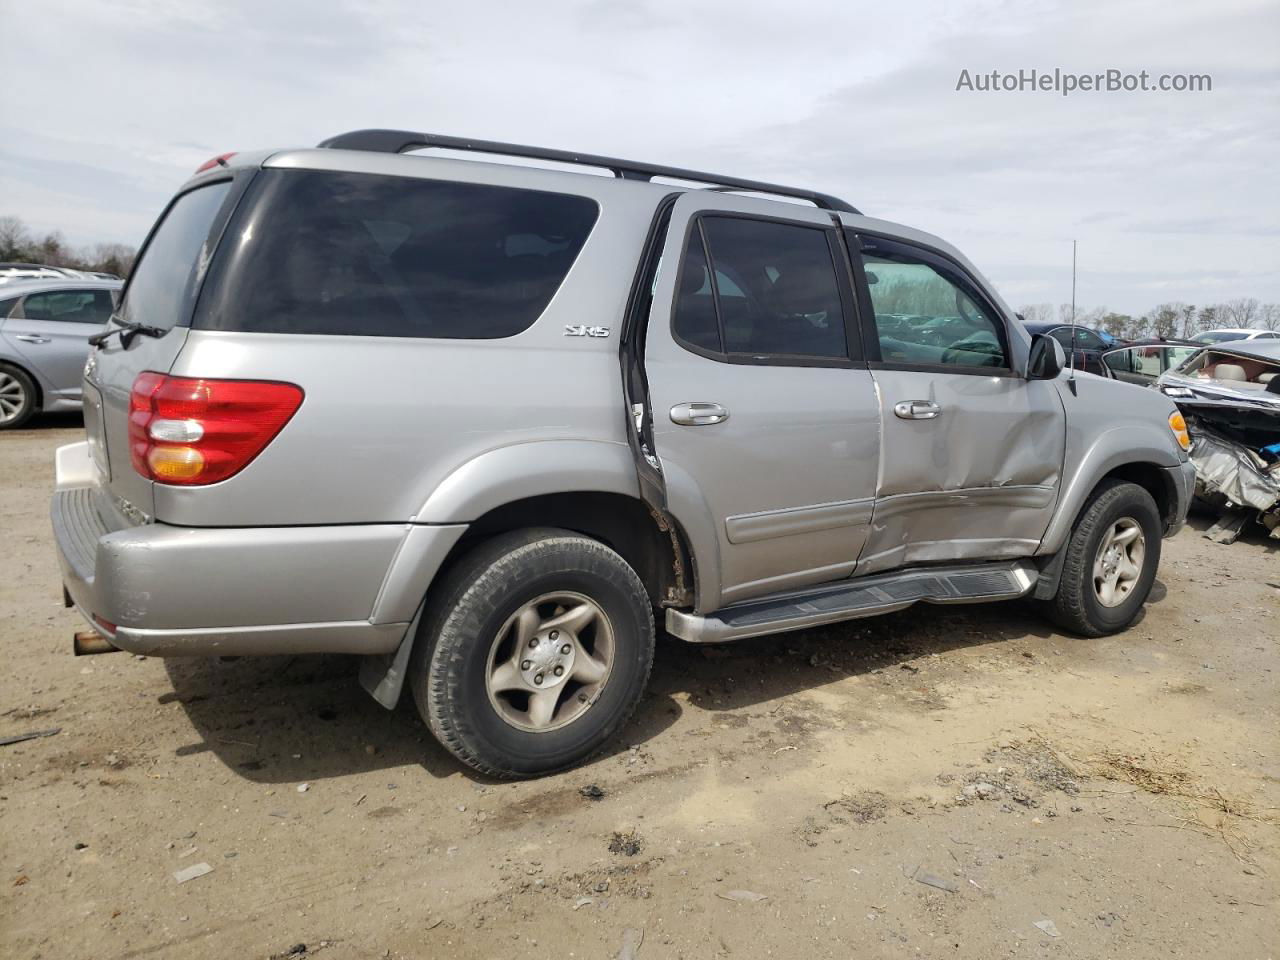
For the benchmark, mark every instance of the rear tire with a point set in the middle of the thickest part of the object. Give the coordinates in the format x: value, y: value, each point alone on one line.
x: 533, y: 653
x: 1111, y: 562
x: 17, y: 397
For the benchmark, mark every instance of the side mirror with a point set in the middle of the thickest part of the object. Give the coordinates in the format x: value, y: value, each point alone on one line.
x: 1047, y: 358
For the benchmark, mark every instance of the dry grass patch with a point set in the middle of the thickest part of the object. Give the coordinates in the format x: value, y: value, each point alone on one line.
x: 1161, y: 775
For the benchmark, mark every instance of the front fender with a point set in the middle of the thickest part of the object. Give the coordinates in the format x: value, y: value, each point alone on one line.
x: 1138, y: 443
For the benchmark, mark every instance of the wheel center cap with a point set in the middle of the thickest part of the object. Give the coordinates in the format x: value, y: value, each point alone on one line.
x: 1111, y: 563
x: 548, y: 660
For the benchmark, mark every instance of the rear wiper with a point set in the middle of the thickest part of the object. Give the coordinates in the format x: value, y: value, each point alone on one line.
x: 127, y: 331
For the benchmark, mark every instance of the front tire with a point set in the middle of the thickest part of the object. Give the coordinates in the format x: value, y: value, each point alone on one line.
x: 1111, y: 562
x: 533, y: 653
x: 17, y: 397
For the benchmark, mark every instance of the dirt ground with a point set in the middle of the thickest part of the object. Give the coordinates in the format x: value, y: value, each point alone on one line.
x: 943, y: 782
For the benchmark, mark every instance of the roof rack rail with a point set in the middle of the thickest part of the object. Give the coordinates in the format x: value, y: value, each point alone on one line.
x: 398, y: 141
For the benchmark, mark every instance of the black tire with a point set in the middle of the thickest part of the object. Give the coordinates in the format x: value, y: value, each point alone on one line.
x: 1076, y: 606
x: 467, y: 612
x: 16, y: 379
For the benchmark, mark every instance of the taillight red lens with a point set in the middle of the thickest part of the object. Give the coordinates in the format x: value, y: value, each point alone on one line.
x: 192, y: 432
x: 219, y: 161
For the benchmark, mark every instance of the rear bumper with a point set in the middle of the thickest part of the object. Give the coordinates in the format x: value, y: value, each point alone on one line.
x: 173, y: 591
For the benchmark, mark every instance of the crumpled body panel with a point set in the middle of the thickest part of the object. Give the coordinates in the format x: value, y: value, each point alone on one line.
x: 1231, y: 470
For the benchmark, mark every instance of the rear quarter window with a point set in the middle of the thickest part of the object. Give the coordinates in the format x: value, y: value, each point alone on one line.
x: 320, y: 252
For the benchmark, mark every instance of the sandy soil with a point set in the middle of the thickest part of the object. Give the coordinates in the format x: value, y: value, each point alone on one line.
x: 937, y: 783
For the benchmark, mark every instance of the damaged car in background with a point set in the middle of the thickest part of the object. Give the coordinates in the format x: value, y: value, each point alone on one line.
x: 1229, y: 394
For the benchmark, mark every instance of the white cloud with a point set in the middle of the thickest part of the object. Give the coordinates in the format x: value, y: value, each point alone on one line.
x: 110, y: 106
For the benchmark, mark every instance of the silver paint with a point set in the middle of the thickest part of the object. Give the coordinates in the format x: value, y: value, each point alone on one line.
x: 52, y: 352
x: 330, y: 539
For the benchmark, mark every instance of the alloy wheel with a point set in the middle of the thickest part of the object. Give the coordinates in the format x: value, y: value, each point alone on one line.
x: 1118, y: 563
x: 550, y: 661
x: 13, y: 397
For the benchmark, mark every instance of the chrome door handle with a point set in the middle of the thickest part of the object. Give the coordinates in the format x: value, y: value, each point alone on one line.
x: 30, y: 338
x: 916, y: 409
x: 697, y: 414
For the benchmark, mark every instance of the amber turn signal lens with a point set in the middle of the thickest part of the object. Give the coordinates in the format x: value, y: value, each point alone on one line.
x: 175, y: 463
x: 1179, y: 427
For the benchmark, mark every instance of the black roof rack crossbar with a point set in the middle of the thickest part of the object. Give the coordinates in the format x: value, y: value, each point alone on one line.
x: 398, y: 141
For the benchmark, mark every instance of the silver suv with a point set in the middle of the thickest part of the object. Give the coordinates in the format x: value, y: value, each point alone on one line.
x: 478, y: 422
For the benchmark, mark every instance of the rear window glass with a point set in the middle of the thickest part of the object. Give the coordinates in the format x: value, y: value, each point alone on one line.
x: 362, y: 254
x: 772, y: 291
x: 163, y: 283
x: 69, y: 306
x: 695, y: 319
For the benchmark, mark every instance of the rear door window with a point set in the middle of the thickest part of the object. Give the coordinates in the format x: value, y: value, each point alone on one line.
x: 68, y: 306
x: 760, y: 290
x: 163, y: 285
x: 694, y: 320
x: 322, y: 252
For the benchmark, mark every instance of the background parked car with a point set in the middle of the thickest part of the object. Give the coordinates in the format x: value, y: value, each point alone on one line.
x: 45, y: 326
x: 10, y: 272
x: 1142, y: 361
x: 1228, y: 334
x: 1088, y: 347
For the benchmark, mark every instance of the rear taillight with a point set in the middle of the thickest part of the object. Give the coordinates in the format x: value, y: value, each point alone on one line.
x: 191, y: 432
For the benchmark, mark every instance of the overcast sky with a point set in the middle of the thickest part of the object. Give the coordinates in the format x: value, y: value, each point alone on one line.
x: 109, y: 106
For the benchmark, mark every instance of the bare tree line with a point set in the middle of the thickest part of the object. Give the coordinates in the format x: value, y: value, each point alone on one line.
x: 19, y: 245
x: 1167, y: 320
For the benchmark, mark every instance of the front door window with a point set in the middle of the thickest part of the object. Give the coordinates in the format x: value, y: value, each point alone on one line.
x: 926, y: 312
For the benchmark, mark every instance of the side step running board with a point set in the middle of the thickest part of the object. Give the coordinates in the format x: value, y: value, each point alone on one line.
x: 852, y: 599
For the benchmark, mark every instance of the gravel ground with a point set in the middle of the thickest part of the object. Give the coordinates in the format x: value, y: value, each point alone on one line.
x: 943, y: 782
